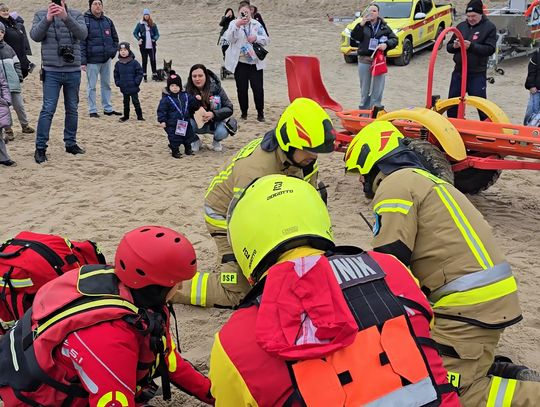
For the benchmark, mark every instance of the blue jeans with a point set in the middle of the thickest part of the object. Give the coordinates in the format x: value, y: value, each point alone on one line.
x: 371, y: 87
x: 217, y: 129
x: 533, y: 107
x: 54, y: 81
x: 104, y: 72
x: 476, y: 86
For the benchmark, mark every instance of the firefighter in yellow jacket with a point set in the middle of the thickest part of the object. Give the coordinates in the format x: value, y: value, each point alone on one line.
x: 303, y: 131
x: 434, y: 229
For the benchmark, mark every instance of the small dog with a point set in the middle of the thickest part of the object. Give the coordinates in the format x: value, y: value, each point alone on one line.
x: 163, y: 74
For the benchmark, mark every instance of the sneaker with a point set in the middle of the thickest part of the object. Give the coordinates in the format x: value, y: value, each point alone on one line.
x: 8, y: 163
x: 74, y: 149
x: 196, y: 145
x: 188, y: 151
x: 216, y: 146
x: 10, y: 136
x: 40, y: 155
x: 112, y: 113
x: 260, y: 118
x: 31, y: 67
x: 244, y: 116
x: 176, y: 154
x: 123, y: 119
x: 94, y: 115
x: 27, y: 129
x: 140, y: 118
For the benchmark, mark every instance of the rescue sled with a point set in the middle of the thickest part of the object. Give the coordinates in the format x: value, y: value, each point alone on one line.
x: 477, y: 150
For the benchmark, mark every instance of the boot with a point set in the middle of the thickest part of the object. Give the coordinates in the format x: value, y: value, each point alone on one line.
x: 155, y: 77
x: 10, y: 136
x: 145, y: 78
x: 26, y: 129
x: 40, y: 155
x: 175, y: 151
x: 188, y: 149
x: 139, y: 114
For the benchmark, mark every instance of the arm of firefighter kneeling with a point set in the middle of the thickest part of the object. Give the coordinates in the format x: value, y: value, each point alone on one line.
x: 185, y: 376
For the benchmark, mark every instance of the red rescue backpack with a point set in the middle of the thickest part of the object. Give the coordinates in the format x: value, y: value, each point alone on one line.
x: 29, y: 261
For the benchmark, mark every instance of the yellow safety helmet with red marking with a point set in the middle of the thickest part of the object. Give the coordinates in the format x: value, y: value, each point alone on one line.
x: 305, y: 125
x: 374, y: 142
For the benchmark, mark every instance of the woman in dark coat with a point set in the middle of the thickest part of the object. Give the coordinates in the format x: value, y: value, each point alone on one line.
x: 15, y: 38
x: 224, y: 24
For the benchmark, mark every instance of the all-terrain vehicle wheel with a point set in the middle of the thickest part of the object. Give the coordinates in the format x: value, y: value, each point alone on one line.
x: 435, y: 160
x: 350, y: 59
x: 406, y: 55
x: 473, y: 181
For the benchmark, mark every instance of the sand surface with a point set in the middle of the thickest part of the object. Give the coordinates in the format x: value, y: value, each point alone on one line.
x: 128, y: 178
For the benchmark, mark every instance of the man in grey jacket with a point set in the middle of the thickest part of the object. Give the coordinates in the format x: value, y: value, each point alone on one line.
x: 60, y: 31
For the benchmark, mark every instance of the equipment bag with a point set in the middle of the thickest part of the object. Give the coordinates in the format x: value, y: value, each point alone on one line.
x: 29, y: 261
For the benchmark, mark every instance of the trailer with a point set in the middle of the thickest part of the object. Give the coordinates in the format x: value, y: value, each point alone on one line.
x: 518, y: 33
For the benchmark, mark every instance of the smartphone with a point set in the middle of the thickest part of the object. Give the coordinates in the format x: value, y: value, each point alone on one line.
x: 243, y: 14
x: 58, y: 2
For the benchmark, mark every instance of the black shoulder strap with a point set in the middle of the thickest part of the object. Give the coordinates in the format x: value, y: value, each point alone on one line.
x: 42, y: 249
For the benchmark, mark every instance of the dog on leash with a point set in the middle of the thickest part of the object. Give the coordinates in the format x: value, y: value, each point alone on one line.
x: 163, y: 74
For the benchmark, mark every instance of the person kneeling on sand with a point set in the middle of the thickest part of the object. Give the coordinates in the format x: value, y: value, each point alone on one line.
x: 173, y: 113
x: 215, y: 102
x: 292, y: 147
x: 113, y: 336
x: 128, y: 75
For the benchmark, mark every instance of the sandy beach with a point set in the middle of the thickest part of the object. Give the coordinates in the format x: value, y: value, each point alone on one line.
x: 127, y: 178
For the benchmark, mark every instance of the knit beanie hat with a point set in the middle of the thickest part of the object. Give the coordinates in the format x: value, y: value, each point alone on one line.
x: 174, y: 79
x: 475, y: 6
x: 2, y: 27
x: 123, y: 45
x: 90, y: 2
x: 146, y: 12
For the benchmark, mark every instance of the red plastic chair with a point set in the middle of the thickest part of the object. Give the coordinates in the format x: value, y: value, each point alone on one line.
x: 304, y: 80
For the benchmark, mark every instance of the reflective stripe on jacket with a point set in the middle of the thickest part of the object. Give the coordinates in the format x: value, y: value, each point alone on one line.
x: 450, y: 246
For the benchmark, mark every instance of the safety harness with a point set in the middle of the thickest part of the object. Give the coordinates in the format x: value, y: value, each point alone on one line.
x: 82, y: 299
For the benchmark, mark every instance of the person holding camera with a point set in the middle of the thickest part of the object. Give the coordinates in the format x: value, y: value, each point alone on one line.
x: 60, y: 31
x: 241, y: 59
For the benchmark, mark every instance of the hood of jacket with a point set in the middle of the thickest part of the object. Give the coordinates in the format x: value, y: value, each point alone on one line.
x: 89, y: 14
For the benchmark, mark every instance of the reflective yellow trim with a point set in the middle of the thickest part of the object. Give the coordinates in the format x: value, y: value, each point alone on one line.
x: 199, y: 284
x: 203, y: 288
x: 222, y: 224
x: 194, y: 286
x: 429, y: 175
x: 228, y: 386
x: 223, y: 175
x: 469, y: 234
x: 83, y: 307
x: 479, y: 295
x: 18, y: 282
x: 172, y: 358
x: 308, y: 177
x: 501, y: 392
x: 116, y: 396
x: 95, y: 273
x: 393, y: 205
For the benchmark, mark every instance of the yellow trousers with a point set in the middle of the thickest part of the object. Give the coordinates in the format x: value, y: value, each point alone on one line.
x: 476, y: 349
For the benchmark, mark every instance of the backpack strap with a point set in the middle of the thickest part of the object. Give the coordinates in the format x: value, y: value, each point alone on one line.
x: 42, y: 249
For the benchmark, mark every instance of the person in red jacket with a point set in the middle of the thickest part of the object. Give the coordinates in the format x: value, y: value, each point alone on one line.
x: 98, y: 335
x: 322, y: 325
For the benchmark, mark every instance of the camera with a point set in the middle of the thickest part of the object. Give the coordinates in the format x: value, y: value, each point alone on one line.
x: 67, y: 54
x: 243, y: 14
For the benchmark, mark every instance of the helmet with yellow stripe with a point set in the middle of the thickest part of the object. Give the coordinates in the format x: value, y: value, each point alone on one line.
x: 304, y: 125
x: 276, y: 213
x: 378, y: 140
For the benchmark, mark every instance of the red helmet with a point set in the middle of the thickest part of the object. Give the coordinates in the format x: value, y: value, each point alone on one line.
x: 154, y: 255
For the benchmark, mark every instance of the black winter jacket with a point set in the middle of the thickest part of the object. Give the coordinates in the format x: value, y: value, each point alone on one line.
x: 226, y: 106
x: 362, y: 35
x: 128, y: 75
x: 224, y: 24
x: 17, y: 40
x: 20, y: 24
x: 483, y: 38
x: 170, y: 111
x: 101, y: 43
x: 533, y: 72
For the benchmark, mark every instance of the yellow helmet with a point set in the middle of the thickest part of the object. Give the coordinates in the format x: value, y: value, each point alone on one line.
x: 375, y: 141
x: 274, y: 214
x: 305, y: 125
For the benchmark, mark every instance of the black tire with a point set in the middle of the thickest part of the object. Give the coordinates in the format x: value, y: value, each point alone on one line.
x: 439, y: 31
x: 350, y: 59
x: 406, y: 54
x: 473, y: 181
x: 435, y: 160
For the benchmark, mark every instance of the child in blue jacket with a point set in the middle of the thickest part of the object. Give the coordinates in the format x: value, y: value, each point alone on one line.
x: 173, y: 113
x: 128, y: 75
